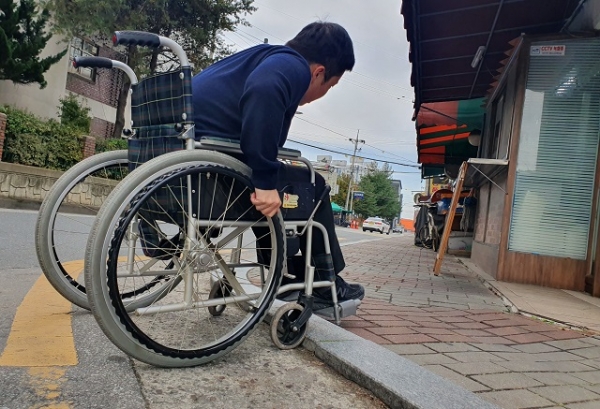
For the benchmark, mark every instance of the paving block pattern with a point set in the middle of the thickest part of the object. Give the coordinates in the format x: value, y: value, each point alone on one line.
x: 456, y: 327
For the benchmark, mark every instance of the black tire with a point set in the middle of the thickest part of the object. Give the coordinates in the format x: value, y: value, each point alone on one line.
x: 220, y: 289
x: 285, y: 333
x: 164, y: 334
x: 424, y: 238
x: 435, y: 241
x: 62, y: 224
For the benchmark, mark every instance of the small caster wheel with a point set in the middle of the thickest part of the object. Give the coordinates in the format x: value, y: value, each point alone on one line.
x: 284, y: 331
x: 219, y: 289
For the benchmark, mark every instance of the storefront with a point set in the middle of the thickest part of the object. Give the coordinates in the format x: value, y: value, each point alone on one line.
x: 537, y: 222
x: 550, y: 135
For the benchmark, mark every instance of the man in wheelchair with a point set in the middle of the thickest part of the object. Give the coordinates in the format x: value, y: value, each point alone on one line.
x: 252, y: 97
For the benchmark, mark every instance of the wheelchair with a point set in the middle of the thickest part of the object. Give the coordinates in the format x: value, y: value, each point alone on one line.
x: 180, y: 268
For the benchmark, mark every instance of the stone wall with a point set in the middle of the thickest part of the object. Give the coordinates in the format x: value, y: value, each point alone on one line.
x: 2, y: 133
x: 29, y: 184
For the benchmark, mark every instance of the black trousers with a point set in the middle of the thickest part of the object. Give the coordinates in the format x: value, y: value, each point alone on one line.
x: 326, y: 266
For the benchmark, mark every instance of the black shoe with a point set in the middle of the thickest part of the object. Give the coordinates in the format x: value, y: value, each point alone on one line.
x: 344, y: 292
x: 288, y: 296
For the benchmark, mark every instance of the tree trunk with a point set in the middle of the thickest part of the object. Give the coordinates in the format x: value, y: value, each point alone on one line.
x: 154, y: 60
x: 123, y: 95
x: 121, y: 105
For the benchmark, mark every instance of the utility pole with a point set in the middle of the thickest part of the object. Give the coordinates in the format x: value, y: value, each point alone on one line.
x: 351, y: 182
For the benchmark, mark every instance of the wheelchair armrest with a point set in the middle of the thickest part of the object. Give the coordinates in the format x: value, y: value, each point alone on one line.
x: 234, y: 144
x: 220, y: 143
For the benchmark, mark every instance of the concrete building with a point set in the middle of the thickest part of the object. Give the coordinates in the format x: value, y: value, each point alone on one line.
x: 98, y: 89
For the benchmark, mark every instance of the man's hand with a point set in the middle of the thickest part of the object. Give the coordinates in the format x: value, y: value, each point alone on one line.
x: 266, y: 201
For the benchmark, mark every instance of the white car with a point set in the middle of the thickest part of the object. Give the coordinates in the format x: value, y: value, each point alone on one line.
x: 376, y: 224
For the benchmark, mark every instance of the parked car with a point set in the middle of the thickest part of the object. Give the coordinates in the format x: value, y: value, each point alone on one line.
x: 398, y: 229
x: 376, y: 224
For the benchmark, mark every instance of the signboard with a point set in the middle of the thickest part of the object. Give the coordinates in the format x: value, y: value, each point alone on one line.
x: 548, y: 50
x: 358, y: 195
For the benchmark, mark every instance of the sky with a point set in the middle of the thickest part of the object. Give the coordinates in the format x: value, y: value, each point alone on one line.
x: 374, y: 101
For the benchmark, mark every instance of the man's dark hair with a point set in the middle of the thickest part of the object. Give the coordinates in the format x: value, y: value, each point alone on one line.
x: 328, y: 44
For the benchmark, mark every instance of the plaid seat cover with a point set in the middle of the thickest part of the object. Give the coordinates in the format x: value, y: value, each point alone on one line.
x: 158, y: 104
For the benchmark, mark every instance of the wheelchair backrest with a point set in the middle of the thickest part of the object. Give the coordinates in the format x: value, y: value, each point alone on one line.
x: 161, y: 110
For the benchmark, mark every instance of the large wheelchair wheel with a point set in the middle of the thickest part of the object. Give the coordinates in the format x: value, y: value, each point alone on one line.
x: 66, y: 216
x: 64, y: 222
x: 194, y: 207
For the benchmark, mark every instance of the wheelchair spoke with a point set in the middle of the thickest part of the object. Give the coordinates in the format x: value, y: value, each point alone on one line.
x: 212, y: 293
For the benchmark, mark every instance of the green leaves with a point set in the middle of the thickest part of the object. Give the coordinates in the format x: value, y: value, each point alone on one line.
x: 73, y: 114
x: 22, y: 39
x: 35, y: 142
x: 381, y: 198
x: 194, y: 24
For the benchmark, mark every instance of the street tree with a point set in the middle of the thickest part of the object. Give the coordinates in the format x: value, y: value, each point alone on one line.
x: 22, y: 39
x: 380, y: 197
x: 195, y: 25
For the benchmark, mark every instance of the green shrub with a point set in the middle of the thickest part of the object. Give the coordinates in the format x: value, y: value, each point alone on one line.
x: 63, y: 146
x: 73, y: 114
x: 23, y: 143
x: 34, y: 142
x: 26, y: 149
x: 104, y: 145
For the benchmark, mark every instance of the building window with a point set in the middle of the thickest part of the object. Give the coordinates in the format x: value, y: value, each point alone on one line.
x: 556, y: 162
x: 83, y: 48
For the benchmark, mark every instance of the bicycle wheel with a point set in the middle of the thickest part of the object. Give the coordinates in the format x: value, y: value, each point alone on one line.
x: 212, y: 218
x: 424, y: 237
x: 66, y: 217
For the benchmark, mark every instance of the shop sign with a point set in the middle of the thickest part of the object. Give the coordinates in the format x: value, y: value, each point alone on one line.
x: 548, y: 50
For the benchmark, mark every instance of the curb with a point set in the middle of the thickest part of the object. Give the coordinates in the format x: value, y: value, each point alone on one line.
x: 397, y: 381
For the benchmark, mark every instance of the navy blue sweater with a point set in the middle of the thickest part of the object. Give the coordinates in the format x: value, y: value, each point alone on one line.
x: 252, y: 96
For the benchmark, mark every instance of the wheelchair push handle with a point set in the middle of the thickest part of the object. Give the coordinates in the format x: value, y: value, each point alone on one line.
x: 103, y: 62
x: 151, y: 40
x: 93, y: 62
x: 136, y: 38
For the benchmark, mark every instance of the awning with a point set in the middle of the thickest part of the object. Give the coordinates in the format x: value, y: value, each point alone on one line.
x: 443, y: 131
x: 445, y: 37
x: 336, y: 208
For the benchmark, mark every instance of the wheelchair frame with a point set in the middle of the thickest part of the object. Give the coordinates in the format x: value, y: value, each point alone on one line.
x: 303, y: 308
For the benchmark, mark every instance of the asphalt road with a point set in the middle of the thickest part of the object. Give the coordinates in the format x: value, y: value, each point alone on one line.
x: 256, y: 374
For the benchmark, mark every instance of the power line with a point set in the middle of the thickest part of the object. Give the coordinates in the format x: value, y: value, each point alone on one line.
x: 381, y: 158
x: 362, y: 156
x: 320, y: 126
x: 391, y: 153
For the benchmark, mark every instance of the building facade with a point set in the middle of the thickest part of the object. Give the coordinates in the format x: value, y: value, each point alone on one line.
x: 97, y: 89
x: 535, y: 119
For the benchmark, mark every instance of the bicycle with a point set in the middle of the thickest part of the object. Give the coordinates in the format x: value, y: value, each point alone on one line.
x: 429, y: 235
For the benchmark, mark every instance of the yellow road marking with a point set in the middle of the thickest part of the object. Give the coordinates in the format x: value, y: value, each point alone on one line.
x: 41, y: 338
x: 46, y: 384
x: 41, y: 333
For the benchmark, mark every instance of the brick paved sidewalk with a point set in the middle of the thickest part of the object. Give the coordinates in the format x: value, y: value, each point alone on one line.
x: 454, y: 326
